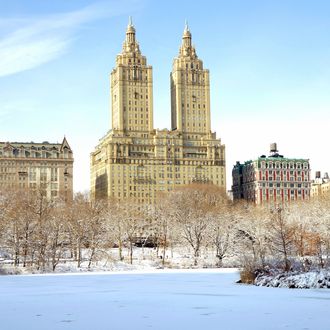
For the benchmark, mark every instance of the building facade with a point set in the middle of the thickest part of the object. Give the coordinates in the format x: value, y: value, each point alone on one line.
x: 134, y: 160
x: 321, y: 185
x: 34, y: 166
x: 272, y: 179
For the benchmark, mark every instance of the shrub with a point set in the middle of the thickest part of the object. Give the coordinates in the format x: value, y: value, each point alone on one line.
x: 247, y: 275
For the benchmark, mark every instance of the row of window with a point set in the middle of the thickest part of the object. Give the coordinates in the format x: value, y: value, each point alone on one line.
x: 278, y: 178
x: 140, y: 189
x: 187, y: 124
x: 161, y: 169
x: 291, y: 185
x: 136, y: 122
x: 193, y: 105
x: 35, y: 154
x: 136, y: 115
x: 278, y: 172
x: 285, y: 165
x: 162, y: 175
x: 192, y: 66
x: 193, y: 77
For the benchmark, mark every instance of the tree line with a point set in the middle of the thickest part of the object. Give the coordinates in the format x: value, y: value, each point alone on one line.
x: 41, y: 233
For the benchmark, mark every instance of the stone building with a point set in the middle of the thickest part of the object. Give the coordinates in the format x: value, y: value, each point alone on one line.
x: 33, y: 166
x: 321, y: 185
x: 134, y: 160
x: 272, y: 179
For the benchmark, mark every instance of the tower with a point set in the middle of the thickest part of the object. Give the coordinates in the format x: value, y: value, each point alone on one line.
x: 190, y: 90
x: 133, y: 160
x: 131, y: 88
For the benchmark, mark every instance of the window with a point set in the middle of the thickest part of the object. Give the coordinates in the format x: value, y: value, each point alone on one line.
x: 32, y: 174
x: 54, y: 174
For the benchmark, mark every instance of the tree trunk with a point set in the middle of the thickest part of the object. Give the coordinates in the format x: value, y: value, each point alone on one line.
x: 164, y: 250
x: 79, y: 255
x: 131, y: 252
x: 91, y: 257
x: 120, y: 249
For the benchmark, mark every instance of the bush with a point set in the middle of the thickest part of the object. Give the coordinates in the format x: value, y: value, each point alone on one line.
x: 247, y: 275
x: 10, y: 270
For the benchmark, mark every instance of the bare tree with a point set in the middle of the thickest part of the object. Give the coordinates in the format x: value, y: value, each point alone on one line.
x: 78, y: 225
x: 132, y: 219
x: 251, y: 238
x: 316, y: 218
x: 162, y: 225
x: 281, y: 235
x: 193, y: 208
x: 40, y: 208
x: 115, y: 226
x: 221, y: 222
x: 58, y: 234
x: 97, y: 230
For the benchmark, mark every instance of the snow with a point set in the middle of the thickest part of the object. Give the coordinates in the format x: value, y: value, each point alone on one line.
x: 158, y: 299
x: 312, y: 279
x: 144, y: 259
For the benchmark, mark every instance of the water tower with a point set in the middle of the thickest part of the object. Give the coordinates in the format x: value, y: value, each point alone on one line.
x: 273, y: 150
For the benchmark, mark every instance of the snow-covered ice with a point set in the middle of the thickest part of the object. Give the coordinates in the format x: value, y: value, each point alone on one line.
x: 198, y: 299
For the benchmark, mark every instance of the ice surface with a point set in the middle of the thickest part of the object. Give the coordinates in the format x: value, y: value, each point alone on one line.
x: 199, y: 299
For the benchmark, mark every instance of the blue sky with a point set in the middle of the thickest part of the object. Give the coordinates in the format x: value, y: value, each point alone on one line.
x: 269, y: 62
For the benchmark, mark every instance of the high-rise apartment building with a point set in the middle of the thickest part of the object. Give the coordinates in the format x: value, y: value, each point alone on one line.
x: 136, y: 161
x: 320, y: 185
x: 190, y: 91
x: 272, y: 179
x: 37, y: 166
x: 131, y: 89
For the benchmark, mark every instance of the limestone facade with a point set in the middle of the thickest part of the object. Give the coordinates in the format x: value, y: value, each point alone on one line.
x: 134, y: 160
x: 34, y: 166
x: 321, y: 185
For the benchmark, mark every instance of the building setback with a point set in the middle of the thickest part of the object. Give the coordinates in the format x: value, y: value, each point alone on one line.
x: 272, y: 179
x: 136, y: 161
x: 37, y: 166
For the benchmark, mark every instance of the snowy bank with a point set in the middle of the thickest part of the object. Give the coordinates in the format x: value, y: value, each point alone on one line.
x: 308, y: 280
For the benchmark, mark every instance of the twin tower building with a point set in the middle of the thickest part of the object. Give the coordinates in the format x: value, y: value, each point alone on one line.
x: 134, y: 160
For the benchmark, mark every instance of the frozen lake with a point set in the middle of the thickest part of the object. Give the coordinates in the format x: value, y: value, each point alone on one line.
x: 160, y: 300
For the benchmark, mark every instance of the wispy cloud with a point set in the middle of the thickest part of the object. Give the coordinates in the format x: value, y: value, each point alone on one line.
x: 10, y: 110
x: 35, y: 41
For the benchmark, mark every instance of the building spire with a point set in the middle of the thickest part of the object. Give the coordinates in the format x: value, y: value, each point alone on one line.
x: 130, y: 26
x: 186, y: 33
x: 186, y: 46
x: 130, y: 22
x: 130, y: 32
x: 186, y: 26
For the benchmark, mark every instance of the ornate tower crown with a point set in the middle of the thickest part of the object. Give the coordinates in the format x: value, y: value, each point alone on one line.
x: 130, y: 44
x: 187, y: 49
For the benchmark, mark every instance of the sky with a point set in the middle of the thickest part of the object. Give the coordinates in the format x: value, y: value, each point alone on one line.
x: 269, y: 63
